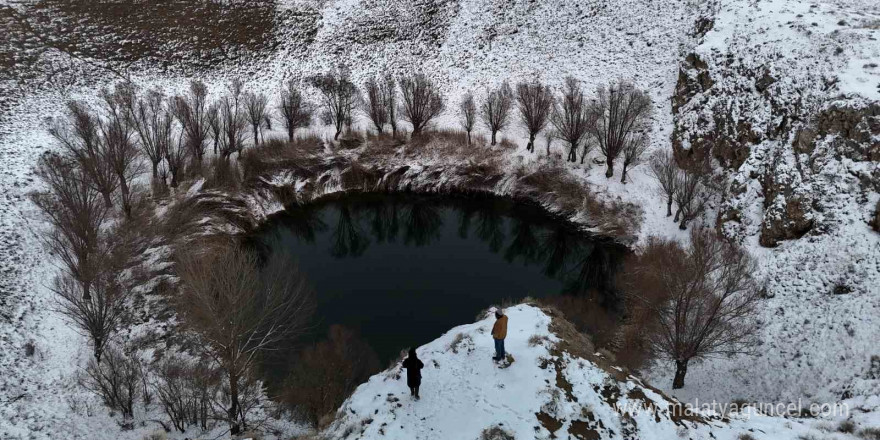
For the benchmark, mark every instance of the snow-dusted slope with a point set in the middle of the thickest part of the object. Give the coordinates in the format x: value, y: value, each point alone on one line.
x: 549, y: 391
x: 780, y: 94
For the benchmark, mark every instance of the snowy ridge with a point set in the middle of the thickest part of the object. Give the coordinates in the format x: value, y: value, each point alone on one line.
x: 547, y: 392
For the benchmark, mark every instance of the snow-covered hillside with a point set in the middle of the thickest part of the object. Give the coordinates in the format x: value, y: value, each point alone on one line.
x: 750, y: 78
x: 783, y: 96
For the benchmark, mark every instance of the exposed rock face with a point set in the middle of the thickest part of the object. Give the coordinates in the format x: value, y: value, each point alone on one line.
x: 719, y: 120
x: 857, y: 130
x: 734, y: 113
x: 787, y: 217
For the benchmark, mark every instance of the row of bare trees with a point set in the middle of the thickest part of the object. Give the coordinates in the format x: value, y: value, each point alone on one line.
x: 88, y: 291
x: 417, y: 102
x: 617, y: 120
x: 687, y: 188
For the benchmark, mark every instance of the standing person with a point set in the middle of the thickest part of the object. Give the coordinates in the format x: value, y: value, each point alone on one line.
x: 413, y: 372
x: 499, y: 332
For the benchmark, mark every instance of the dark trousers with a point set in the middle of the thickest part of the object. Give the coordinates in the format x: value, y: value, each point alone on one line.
x: 499, y: 349
x: 414, y: 391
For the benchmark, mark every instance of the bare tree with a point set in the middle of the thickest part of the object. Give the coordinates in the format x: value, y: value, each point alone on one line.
x: 153, y: 122
x: 664, y: 170
x: 389, y: 92
x: 328, y: 372
x: 233, y: 121
x: 622, y: 114
x: 338, y: 98
x: 468, y: 114
x: 118, y: 380
x: 120, y: 150
x: 375, y: 104
x: 691, y: 196
x: 698, y: 301
x: 256, y: 107
x: 176, y: 156
x: 214, y: 123
x: 96, y: 316
x: 495, y: 111
x: 422, y: 101
x: 633, y: 150
x: 76, y: 212
x: 241, y: 310
x: 571, y: 119
x: 191, y: 110
x: 186, y: 391
x: 295, y: 111
x: 548, y: 138
x: 80, y: 136
x: 535, y: 103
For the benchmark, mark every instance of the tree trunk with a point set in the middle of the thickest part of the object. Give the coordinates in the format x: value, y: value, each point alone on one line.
x: 394, y: 129
x: 378, y: 128
x: 531, y: 146
x: 493, y: 137
x: 622, y: 174
x: 107, y: 201
x: 99, y: 348
x: 677, y: 214
x: 610, y: 171
x: 683, y: 224
x: 215, y: 145
x: 234, y: 428
x: 174, y: 180
x: 469, y: 138
x: 126, y: 196
x: 669, y: 206
x: 256, y: 140
x: 290, y: 134
x: 681, y: 368
x: 338, y: 132
x: 87, y: 294
x: 572, y: 154
x: 155, y: 170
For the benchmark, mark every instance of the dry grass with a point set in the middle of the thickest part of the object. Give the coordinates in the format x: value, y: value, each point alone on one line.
x: 847, y: 427
x: 589, y: 317
x: 220, y: 173
x: 460, y: 340
x: 536, y: 340
x: 382, y: 145
x: 495, y: 433
x: 870, y: 433
x: 279, y: 154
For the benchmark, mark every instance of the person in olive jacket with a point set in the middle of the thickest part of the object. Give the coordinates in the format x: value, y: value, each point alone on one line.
x: 499, y: 332
x: 413, y: 372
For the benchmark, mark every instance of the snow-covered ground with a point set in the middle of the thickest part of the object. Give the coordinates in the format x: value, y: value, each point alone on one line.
x: 817, y: 346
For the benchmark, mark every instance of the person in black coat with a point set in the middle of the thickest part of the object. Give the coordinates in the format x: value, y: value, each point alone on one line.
x: 413, y: 372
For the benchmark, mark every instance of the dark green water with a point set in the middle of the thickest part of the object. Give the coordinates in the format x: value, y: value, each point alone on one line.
x: 401, y: 270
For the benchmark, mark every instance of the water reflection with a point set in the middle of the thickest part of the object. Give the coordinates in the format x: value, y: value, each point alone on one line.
x: 522, y: 232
